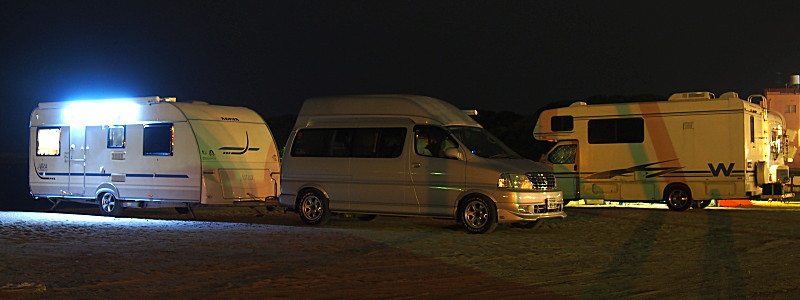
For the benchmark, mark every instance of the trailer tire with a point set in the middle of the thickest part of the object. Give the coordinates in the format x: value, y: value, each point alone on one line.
x: 313, y: 208
x: 110, y: 205
x: 478, y: 214
x: 678, y: 197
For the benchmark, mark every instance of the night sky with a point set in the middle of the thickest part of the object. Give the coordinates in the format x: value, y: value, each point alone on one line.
x: 491, y: 55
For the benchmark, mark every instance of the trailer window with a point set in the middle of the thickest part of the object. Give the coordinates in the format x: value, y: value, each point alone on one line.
x: 48, y: 141
x: 561, y: 123
x: 611, y: 131
x: 158, y: 139
x: 116, y: 136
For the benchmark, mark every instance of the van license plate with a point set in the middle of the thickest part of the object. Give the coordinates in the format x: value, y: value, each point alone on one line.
x: 553, y: 204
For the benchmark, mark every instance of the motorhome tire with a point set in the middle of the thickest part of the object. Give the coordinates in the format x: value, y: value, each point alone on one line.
x: 110, y: 205
x: 678, y: 197
x: 478, y: 214
x: 701, y: 204
x: 313, y: 208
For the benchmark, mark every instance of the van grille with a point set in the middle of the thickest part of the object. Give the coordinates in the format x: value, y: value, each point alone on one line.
x: 542, y: 181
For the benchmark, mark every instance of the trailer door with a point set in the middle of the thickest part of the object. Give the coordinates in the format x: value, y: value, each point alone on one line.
x: 77, y: 160
x: 564, y: 158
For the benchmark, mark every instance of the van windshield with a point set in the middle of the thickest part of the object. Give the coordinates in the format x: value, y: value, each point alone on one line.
x: 482, y: 143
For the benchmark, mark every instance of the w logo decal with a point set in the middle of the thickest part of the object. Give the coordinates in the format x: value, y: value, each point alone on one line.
x: 721, y: 168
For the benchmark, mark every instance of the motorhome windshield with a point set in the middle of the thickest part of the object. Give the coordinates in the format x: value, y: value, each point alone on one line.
x: 482, y: 143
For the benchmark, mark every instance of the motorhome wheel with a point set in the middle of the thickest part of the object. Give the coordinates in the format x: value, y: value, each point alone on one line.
x: 109, y: 205
x: 478, y: 215
x: 701, y: 204
x: 313, y: 208
x: 678, y: 197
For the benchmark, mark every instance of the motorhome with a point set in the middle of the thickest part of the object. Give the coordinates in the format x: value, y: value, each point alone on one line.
x: 410, y: 156
x: 686, y: 151
x: 151, y: 152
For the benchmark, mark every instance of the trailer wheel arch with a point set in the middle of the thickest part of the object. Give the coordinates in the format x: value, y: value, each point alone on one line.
x: 678, y: 196
x: 106, y: 188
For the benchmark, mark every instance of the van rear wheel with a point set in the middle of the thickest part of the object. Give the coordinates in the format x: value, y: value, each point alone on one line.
x: 478, y: 215
x: 678, y: 197
x: 109, y: 205
x: 313, y: 208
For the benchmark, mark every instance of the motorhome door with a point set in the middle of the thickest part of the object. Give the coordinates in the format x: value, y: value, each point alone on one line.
x: 564, y: 158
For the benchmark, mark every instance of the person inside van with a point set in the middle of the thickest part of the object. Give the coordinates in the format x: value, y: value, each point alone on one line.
x: 422, y: 144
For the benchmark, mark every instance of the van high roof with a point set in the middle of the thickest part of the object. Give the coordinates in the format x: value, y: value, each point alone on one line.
x: 422, y: 108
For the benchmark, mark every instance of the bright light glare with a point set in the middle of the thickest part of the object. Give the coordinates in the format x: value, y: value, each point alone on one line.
x: 101, y: 112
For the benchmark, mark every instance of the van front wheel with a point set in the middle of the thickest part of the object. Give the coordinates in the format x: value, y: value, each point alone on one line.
x: 478, y: 215
x: 313, y: 208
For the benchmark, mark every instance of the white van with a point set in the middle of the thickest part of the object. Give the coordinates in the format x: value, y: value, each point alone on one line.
x: 409, y: 156
x: 151, y: 152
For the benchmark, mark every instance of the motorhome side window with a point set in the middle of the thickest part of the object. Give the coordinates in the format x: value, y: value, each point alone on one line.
x: 116, y: 136
x: 158, y: 139
x: 48, y: 141
x: 432, y: 141
x: 349, y: 142
x: 561, y: 123
x: 611, y: 131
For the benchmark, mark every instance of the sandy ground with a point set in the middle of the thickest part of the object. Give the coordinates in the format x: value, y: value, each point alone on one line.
x: 229, y: 253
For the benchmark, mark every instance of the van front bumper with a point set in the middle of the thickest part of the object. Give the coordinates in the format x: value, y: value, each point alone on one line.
x: 528, y: 206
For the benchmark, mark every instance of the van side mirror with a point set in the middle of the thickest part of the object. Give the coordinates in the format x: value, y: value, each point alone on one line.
x: 452, y: 153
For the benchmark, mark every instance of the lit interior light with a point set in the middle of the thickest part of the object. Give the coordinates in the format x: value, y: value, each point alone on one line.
x: 101, y: 112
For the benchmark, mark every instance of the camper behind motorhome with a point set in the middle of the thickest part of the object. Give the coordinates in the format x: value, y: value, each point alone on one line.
x: 686, y: 151
x: 151, y: 152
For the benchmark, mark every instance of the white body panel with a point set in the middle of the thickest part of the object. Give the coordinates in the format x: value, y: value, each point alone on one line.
x: 215, y: 154
x: 723, y: 148
x: 404, y: 183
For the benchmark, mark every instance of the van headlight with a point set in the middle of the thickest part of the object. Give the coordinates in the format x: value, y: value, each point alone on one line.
x: 528, y: 181
x: 514, y: 181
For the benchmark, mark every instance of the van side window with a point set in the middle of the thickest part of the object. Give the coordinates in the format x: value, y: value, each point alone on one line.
x: 611, y: 131
x: 561, y: 123
x: 159, y: 139
x: 116, y: 136
x: 432, y: 141
x: 349, y: 142
x: 48, y: 141
x: 564, y: 154
x: 378, y: 142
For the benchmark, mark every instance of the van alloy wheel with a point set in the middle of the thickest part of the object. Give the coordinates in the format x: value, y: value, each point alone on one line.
x: 479, y: 215
x: 313, y: 208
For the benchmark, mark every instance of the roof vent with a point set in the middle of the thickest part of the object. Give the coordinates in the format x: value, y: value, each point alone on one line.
x: 691, y: 96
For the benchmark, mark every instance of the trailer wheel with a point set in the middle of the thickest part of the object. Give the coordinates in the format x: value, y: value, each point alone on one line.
x: 313, y: 208
x: 678, y: 197
x: 109, y: 205
x: 478, y: 214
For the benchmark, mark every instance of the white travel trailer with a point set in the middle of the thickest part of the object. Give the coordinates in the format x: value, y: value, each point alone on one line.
x: 686, y: 151
x: 151, y: 152
x: 410, y: 156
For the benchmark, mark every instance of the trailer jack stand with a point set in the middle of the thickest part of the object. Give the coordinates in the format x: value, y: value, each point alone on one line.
x: 258, y: 212
x: 55, y: 203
